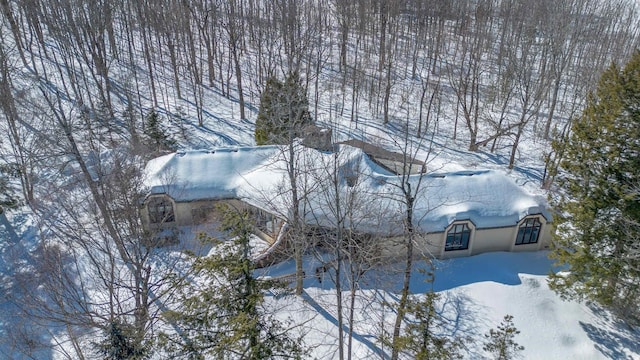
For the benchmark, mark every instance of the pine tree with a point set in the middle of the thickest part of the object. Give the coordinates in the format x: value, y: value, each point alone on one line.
x: 598, y: 222
x: 222, y: 314
x: 121, y: 343
x: 7, y: 194
x: 157, y: 138
x: 423, y: 336
x: 268, y: 109
x: 284, y: 111
x: 501, y: 342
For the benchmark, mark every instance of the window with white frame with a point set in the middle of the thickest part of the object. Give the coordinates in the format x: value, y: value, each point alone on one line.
x: 160, y: 210
x: 529, y: 231
x: 458, y: 237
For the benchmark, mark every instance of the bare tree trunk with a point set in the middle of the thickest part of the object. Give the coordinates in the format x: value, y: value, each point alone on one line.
x: 234, y: 39
x: 404, y: 295
x: 296, y: 219
x: 8, y: 106
x: 387, y: 94
x: 339, y: 246
x: 147, y: 54
x: 238, y: 71
x: 174, y: 63
x: 384, y: 16
x: 8, y: 12
x: 554, y: 101
x: 422, y: 96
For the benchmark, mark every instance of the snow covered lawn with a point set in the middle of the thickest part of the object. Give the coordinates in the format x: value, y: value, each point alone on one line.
x: 484, y: 288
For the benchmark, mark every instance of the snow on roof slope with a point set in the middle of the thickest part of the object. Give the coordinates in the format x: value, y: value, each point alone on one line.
x: 200, y: 175
x: 488, y: 198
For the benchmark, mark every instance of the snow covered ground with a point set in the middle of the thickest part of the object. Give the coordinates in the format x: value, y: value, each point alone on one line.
x: 484, y: 288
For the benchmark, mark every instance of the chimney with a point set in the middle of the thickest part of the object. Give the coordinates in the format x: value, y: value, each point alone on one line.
x: 317, y: 138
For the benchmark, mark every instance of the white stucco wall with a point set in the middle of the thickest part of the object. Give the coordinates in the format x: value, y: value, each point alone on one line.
x: 482, y: 240
x: 184, y: 214
x: 425, y: 245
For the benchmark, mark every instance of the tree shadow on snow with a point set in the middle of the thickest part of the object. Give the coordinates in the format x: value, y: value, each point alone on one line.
x: 611, y: 337
x: 20, y: 336
x: 499, y: 267
x: 363, y: 339
x: 460, y: 316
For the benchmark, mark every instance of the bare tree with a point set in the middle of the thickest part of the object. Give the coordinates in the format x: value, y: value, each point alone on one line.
x: 564, y: 26
x: 529, y: 63
x: 344, y: 215
x: 469, y: 78
x: 20, y: 140
x: 409, y: 186
x: 233, y: 26
x: 95, y: 264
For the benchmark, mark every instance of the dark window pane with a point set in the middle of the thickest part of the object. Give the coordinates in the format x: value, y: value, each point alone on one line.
x: 528, y: 232
x: 465, y: 239
x: 458, y: 237
x: 160, y: 211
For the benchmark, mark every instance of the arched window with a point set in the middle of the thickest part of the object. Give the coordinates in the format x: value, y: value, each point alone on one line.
x: 458, y: 237
x: 160, y: 210
x: 529, y: 231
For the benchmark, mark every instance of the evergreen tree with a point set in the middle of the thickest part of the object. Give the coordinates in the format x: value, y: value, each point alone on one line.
x: 7, y: 195
x: 157, y: 138
x: 269, y: 107
x: 598, y: 222
x: 121, y: 343
x: 424, y: 336
x: 284, y: 111
x: 501, y: 342
x: 222, y: 315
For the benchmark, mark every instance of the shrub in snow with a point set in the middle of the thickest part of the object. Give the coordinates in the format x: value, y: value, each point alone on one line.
x: 500, y: 342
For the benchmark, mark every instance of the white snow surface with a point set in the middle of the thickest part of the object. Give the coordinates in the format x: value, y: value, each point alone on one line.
x: 204, y: 174
x: 258, y: 175
x: 484, y: 288
x: 491, y: 284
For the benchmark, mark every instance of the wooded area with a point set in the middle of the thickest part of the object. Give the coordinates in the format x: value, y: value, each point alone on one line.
x: 88, y: 89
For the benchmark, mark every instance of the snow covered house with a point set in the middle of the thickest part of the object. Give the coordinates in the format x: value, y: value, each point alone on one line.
x: 185, y: 187
x: 455, y: 214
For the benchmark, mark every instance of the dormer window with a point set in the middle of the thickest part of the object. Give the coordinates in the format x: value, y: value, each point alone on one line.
x: 458, y: 237
x: 160, y: 210
x: 529, y: 231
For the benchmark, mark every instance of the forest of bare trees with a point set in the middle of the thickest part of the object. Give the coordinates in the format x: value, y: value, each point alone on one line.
x: 481, y: 59
x: 79, y: 79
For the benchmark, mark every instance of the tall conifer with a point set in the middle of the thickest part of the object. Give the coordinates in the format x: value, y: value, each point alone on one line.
x: 598, y: 222
x: 284, y: 111
x: 223, y: 315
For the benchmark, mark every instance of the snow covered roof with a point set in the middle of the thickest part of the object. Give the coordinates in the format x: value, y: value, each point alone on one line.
x: 204, y: 175
x: 488, y: 198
